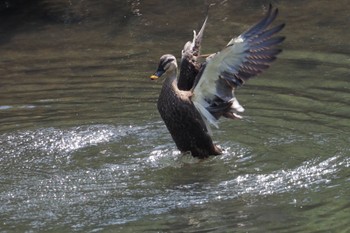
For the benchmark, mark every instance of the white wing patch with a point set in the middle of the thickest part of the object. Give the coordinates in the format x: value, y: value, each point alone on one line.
x: 244, y: 57
x: 229, y: 59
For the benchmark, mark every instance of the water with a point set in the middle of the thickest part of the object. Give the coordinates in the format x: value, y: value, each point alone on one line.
x: 84, y: 149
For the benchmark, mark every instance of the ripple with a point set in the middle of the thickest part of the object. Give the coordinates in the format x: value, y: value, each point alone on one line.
x: 127, y: 178
x: 309, y: 173
x: 54, y: 140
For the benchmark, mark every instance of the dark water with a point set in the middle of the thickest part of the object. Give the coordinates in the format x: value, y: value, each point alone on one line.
x: 84, y: 149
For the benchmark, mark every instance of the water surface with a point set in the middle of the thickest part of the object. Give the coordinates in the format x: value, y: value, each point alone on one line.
x: 84, y: 149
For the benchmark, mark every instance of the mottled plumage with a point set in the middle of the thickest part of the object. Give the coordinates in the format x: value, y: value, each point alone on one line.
x: 189, y: 66
x: 202, y: 93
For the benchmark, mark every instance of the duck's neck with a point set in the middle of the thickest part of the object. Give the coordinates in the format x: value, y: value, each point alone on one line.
x: 170, y: 82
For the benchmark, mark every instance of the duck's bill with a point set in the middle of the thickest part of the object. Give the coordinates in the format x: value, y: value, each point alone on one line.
x: 154, y: 77
x: 160, y: 71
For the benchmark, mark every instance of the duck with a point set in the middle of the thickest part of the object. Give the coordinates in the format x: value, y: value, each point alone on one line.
x: 194, y: 99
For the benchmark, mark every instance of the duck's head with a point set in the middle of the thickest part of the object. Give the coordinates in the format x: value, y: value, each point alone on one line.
x: 167, y: 63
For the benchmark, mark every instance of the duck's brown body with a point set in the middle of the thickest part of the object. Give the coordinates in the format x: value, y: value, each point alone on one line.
x: 183, y: 121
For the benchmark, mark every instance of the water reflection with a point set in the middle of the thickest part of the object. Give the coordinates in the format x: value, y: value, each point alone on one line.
x: 83, y: 147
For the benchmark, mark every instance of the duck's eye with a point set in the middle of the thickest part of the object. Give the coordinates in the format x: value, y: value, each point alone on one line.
x: 166, y: 63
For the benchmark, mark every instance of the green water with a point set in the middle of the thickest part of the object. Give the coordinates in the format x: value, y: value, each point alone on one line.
x: 84, y: 149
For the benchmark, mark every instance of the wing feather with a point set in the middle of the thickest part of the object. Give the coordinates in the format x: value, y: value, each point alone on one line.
x: 244, y: 57
x: 189, y: 66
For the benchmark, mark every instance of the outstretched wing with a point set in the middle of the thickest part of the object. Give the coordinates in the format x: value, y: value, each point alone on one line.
x: 189, y: 67
x: 194, y: 46
x: 244, y: 57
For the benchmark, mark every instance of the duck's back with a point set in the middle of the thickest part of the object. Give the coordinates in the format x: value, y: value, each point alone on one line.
x: 188, y: 73
x: 184, y: 122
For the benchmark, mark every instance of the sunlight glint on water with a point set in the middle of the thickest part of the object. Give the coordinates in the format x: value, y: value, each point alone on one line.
x: 83, y: 148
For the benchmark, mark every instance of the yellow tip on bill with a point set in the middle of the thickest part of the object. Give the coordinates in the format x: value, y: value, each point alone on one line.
x: 153, y: 77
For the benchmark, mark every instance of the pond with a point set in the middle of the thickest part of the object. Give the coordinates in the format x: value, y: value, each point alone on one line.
x: 84, y: 149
